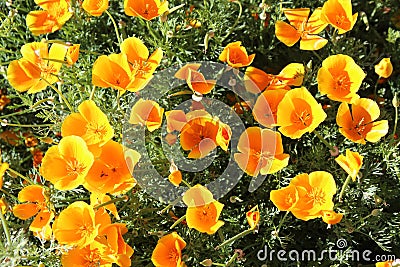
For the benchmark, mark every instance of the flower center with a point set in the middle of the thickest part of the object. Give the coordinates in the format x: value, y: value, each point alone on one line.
x: 75, y: 167
x: 317, y: 196
x: 342, y: 82
x: 173, y: 255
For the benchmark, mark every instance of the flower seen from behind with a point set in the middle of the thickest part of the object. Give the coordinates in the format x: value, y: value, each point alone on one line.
x: 351, y: 163
x: 384, y: 68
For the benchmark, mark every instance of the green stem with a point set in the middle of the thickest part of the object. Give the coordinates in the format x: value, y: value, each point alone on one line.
x: 5, y: 227
x: 234, y: 238
x: 331, y: 148
x: 16, y: 113
x: 178, y: 222
x: 376, y: 88
x: 60, y: 94
x: 282, y: 221
x: 115, y: 27
x: 152, y: 32
x: 396, y: 118
x: 318, y: 56
x: 346, y: 183
x: 112, y: 201
x: 20, y: 175
x: 26, y: 125
x: 186, y: 183
x: 8, y: 194
x: 40, y: 102
x: 92, y: 92
x: 236, y: 21
x: 232, y: 259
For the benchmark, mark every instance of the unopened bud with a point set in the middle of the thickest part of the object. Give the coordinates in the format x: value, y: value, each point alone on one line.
x: 375, y: 212
x: 207, y: 262
x: 396, y: 101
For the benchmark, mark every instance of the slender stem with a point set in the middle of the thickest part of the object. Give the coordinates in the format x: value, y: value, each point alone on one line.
x: 346, y: 183
x: 20, y: 175
x: 282, y: 221
x: 232, y: 259
x: 376, y: 88
x: 151, y: 31
x: 331, y: 148
x: 218, y: 264
x: 5, y: 227
x: 396, y: 118
x: 234, y: 238
x: 178, y: 222
x: 112, y: 201
x: 60, y: 94
x: 318, y: 56
x: 92, y: 92
x: 16, y: 113
x: 41, y: 101
x: 236, y: 21
x: 186, y: 183
x: 115, y: 27
x: 26, y: 125
x: 165, y: 209
x: 8, y: 194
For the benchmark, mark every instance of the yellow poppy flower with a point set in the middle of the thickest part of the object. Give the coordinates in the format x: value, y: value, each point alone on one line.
x: 145, y: 9
x: 197, y: 195
x: 67, y: 164
x: 94, y: 254
x: 298, y: 113
x: 75, y: 225
x: 351, y: 163
x: 338, y: 13
x: 384, y: 68
x: 236, y: 55
x: 285, y: 198
x: 3, y: 206
x: 340, y: 78
x: 148, y: 113
x: 359, y: 124
x: 168, y: 251
x: 95, y: 7
x: 3, y: 168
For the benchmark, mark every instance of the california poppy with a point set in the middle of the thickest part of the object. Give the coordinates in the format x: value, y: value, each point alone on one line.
x: 330, y: 217
x: 93, y: 254
x: 351, y: 163
x: 99, y: 199
x: 75, y: 225
x: 338, y: 13
x: 301, y: 28
x: 340, y: 78
x: 37, y: 63
x: 298, y: 113
x: 359, y: 124
x: 142, y: 64
x: 176, y: 119
x: 3, y: 168
x: 3, y: 206
x: 90, y: 123
x: 205, y: 218
x: 384, y: 68
x: 197, y: 195
x: 195, y: 79
x: 147, y: 113
x: 266, y: 107
x: 384, y: 264
x: 109, y: 172
x: 175, y: 176
x: 66, y: 165
x: 95, y: 7
x: 261, y: 152
x: 145, y: 9
x: 253, y: 217
x: 236, y: 55
x: 286, y: 198
x: 72, y: 54
x: 53, y: 16
x: 168, y: 251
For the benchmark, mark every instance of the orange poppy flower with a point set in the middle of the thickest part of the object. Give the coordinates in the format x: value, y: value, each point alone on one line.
x: 256, y: 80
x: 145, y: 9
x: 286, y: 198
x: 37, y: 63
x: 3, y: 168
x: 195, y: 79
x: 253, y: 217
x: 90, y: 123
x: 168, y: 251
x: 197, y: 195
x: 141, y: 64
x: 109, y: 172
x: 40, y: 226
x: 205, y: 218
x: 148, y: 113
x: 95, y: 7
x: 301, y: 28
x: 359, y: 124
x: 51, y: 19
x: 384, y: 264
x: 261, y: 152
x: 72, y: 54
x: 67, y: 164
x: 315, y: 191
x: 176, y: 119
x: 266, y: 107
x: 340, y: 78
x: 183, y: 73
x: 75, y: 225
x: 236, y: 55
x: 175, y: 177
x: 298, y: 113
x: 384, y: 68
x: 331, y: 217
x: 351, y: 163
x: 94, y: 254
x: 338, y: 13
x: 99, y: 198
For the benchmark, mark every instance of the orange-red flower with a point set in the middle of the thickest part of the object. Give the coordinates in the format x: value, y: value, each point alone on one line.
x: 253, y: 217
x: 261, y: 152
x: 145, y: 9
x: 53, y: 16
x: 359, y: 124
x: 351, y: 163
x: 109, y: 172
x: 266, y: 107
x: 95, y: 7
x: 147, y: 113
x: 236, y: 55
x: 301, y: 28
x: 168, y: 252
x: 330, y: 217
x: 90, y: 123
x: 298, y: 113
x: 36, y: 65
x: 384, y: 68
x: 75, y: 225
x: 67, y: 164
x: 340, y: 78
x: 338, y: 13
